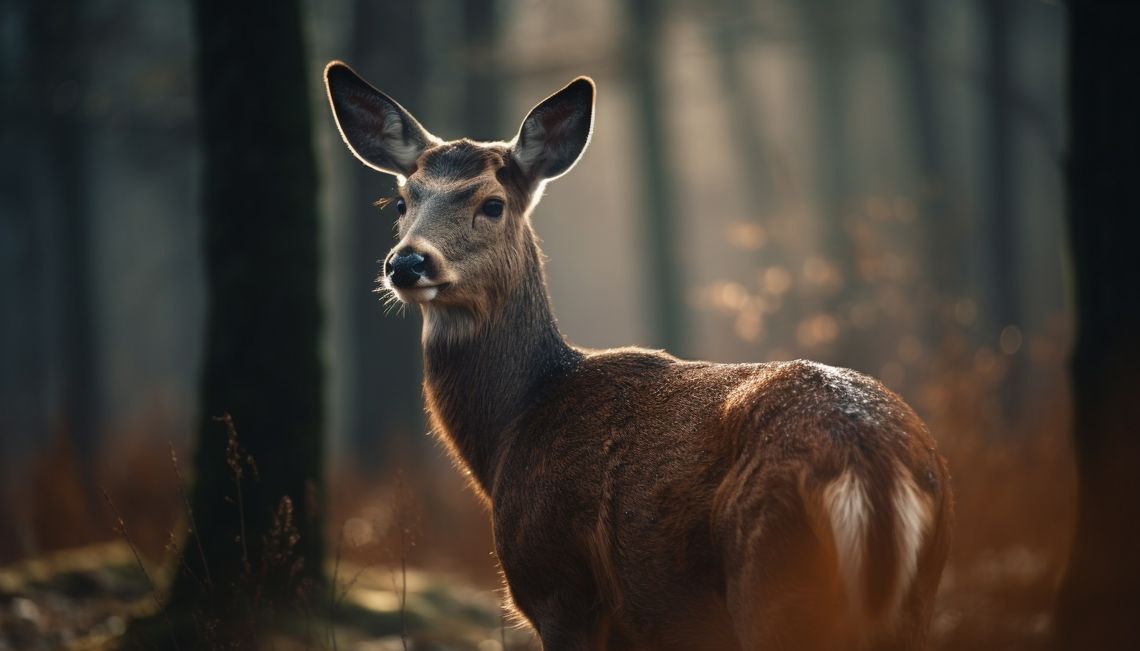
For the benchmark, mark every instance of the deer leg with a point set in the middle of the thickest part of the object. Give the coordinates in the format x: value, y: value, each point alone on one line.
x: 782, y: 589
x: 570, y: 621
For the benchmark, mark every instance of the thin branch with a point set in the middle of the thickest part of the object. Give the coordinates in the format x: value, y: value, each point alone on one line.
x: 190, y: 514
x: 121, y: 529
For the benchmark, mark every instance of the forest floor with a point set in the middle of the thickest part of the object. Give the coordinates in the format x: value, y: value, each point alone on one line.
x: 84, y: 599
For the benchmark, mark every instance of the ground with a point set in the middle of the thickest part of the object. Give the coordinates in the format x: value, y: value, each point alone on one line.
x: 83, y: 599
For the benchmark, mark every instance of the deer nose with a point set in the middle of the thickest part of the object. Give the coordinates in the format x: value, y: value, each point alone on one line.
x: 406, y: 267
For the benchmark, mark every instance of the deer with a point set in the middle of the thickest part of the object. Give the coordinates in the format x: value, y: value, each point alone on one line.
x: 640, y: 501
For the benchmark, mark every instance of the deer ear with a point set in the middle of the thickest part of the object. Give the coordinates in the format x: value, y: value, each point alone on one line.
x: 556, y: 132
x: 378, y: 131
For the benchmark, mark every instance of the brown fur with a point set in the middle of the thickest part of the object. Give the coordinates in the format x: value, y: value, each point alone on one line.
x: 644, y: 502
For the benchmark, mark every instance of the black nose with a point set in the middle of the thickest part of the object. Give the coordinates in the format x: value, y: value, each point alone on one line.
x: 406, y: 267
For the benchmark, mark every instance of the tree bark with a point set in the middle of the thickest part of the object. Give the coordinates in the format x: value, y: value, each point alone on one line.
x: 263, y: 323
x: 1100, y: 596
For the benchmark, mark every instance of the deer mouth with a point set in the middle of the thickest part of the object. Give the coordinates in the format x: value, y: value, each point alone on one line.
x: 421, y: 294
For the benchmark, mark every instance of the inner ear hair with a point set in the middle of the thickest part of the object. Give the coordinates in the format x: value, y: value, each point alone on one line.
x: 378, y: 131
x: 556, y: 131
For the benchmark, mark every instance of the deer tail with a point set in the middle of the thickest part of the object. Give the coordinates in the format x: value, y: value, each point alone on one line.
x: 877, y: 524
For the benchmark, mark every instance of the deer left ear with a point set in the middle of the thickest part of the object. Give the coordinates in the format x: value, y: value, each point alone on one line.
x: 556, y: 132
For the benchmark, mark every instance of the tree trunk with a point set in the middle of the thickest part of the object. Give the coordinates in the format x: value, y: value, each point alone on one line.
x: 384, y: 354
x: 483, y: 92
x: 832, y: 49
x: 1101, y: 594
x: 941, y: 234
x: 23, y: 274
x: 261, y: 537
x: 1001, y: 300
x: 660, y: 220
x: 60, y: 84
x: 49, y: 390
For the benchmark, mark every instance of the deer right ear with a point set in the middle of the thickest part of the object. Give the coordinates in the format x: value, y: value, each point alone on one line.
x: 556, y: 132
x: 378, y: 131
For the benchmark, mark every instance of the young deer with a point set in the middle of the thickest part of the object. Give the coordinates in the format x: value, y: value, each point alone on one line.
x: 640, y: 501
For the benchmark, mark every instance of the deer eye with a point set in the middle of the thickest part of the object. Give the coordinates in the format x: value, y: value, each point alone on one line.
x: 401, y: 207
x: 493, y: 208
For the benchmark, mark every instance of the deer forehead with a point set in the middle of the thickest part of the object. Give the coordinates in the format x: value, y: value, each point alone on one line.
x: 461, y: 160
x: 462, y: 168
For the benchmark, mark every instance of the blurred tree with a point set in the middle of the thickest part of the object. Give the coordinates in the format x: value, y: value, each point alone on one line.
x: 49, y: 222
x: 482, y: 80
x: 261, y: 360
x: 942, y: 251
x: 21, y: 374
x: 831, y: 50
x: 1001, y: 299
x: 1101, y: 593
x: 660, y: 221
x: 765, y: 179
x: 56, y: 33
x: 49, y: 389
x: 22, y: 348
x: 729, y: 36
x: 384, y: 357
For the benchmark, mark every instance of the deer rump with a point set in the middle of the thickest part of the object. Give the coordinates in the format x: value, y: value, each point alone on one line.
x: 704, y: 506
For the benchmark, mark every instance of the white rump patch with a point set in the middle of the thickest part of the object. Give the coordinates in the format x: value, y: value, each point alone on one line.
x: 912, y: 521
x: 849, y: 512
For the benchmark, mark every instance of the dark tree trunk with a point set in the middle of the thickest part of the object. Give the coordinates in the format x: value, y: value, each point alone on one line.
x: 660, y: 221
x: 384, y: 358
x: 1101, y: 593
x: 61, y: 97
x: 52, y: 220
x: 49, y: 389
x: 482, y: 91
x: 66, y: 140
x: 23, y: 248
x: 261, y: 356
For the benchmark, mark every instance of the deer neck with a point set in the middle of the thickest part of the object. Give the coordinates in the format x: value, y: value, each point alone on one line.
x: 482, y: 372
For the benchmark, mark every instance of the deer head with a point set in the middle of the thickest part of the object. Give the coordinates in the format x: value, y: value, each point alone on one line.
x: 465, y: 240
